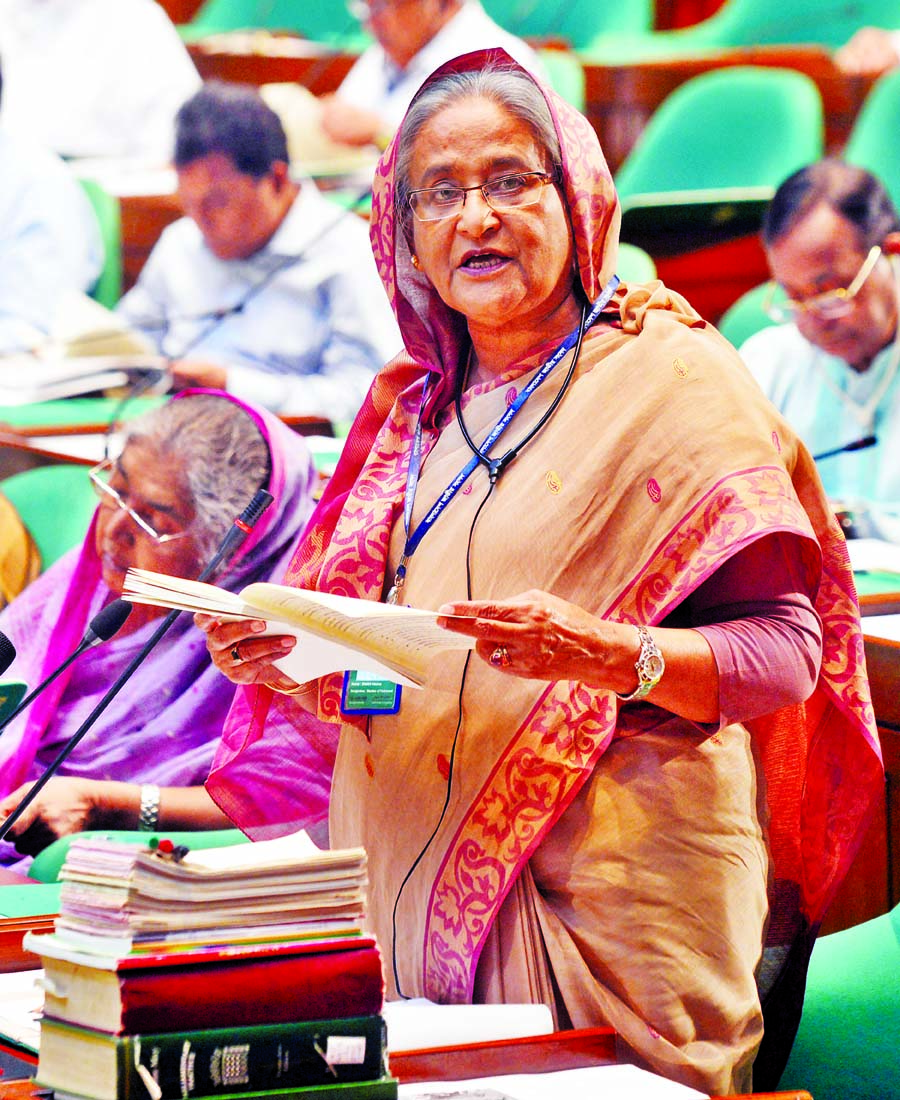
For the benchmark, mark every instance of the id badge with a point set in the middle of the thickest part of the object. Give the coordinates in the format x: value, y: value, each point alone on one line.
x: 365, y: 693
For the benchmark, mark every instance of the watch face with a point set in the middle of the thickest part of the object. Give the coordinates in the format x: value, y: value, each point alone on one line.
x: 653, y: 666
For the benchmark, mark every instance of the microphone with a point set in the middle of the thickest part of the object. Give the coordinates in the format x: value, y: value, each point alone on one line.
x: 7, y: 653
x: 855, y: 445
x: 101, y: 628
x: 241, y: 528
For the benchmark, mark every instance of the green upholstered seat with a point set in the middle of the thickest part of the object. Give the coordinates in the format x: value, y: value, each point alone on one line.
x: 326, y: 21
x: 577, y: 22
x: 108, y: 288
x: 745, y: 317
x: 634, y: 265
x: 848, y: 1043
x: 566, y: 75
x: 749, y: 23
x: 873, y: 140
x: 55, y: 503
x: 738, y: 127
x: 47, y: 864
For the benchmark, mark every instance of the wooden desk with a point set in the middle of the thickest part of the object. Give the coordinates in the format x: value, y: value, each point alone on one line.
x: 144, y: 217
x: 319, y: 69
x: 620, y: 98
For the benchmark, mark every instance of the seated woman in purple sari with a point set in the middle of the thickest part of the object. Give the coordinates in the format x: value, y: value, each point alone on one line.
x: 185, y: 471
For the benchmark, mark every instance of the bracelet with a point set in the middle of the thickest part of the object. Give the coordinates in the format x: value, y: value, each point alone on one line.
x: 148, y: 818
x: 649, y: 667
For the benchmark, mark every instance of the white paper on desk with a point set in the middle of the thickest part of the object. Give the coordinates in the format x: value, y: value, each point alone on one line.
x: 874, y: 555
x: 21, y: 1001
x: 882, y: 626
x: 610, y: 1082
x: 419, y: 1024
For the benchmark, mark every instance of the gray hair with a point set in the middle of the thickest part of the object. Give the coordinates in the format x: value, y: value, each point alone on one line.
x: 509, y: 88
x: 221, y: 451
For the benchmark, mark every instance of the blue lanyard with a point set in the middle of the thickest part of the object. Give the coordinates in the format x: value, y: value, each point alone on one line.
x: 415, y: 462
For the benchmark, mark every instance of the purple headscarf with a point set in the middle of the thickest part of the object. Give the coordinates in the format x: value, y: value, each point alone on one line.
x: 165, y: 725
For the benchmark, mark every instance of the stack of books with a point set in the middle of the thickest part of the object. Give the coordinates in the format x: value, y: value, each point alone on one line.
x: 239, y: 972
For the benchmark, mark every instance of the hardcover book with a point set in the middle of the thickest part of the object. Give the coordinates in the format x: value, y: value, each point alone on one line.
x: 221, y: 1061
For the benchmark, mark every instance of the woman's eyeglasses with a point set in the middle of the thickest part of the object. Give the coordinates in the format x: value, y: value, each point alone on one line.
x: 99, y: 476
x: 831, y: 305
x: 431, y: 204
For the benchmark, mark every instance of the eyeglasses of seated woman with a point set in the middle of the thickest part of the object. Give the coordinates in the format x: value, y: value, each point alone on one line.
x: 431, y: 204
x: 830, y: 305
x: 102, y: 477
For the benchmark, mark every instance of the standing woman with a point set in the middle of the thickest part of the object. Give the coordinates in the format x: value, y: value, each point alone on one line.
x: 594, y: 803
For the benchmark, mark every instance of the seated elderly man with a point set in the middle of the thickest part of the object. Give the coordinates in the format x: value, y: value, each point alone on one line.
x: 266, y: 288
x: 831, y: 236
x: 95, y: 78
x: 49, y: 240
x: 412, y: 39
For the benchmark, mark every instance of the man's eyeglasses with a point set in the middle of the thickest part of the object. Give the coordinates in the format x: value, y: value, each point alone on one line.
x: 831, y: 305
x: 99, y: 476
x: 431, y: 204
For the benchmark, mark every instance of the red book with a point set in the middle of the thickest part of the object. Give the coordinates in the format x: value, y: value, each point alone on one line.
x: 226, y: 987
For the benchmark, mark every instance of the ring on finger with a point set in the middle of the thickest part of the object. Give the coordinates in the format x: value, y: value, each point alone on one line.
x: 236, y: 655
x: 500, y: 657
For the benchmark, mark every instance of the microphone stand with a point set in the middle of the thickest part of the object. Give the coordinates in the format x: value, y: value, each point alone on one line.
x: 242, y: 526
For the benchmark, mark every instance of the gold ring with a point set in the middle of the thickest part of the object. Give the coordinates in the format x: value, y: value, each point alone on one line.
x: 236, y: 655
x: 500, y: 657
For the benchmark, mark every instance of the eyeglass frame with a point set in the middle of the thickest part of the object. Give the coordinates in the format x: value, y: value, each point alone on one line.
x: 105, y: 492
x: 840, y: 296
x: 546, y: 178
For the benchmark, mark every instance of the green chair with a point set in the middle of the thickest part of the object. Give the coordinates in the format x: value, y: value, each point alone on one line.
x: 46, y: 865
x: 738, y: 23
x: 566, y: 75
x: 745, y: 317
x: 325, y: 21
x: 577, y: 22
x: 108, y: 288
x: 635, y: 265
x: 873, y: 139
x: 848, y: 1042
x: 740, y: 127
x: 55, y: 503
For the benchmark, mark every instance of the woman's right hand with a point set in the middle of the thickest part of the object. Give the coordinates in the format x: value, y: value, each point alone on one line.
x: 238, y: 651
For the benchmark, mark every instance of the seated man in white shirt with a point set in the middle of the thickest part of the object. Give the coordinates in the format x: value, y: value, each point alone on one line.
x: 49, y: 240
x: 413, y: 38
x: 832, y: 236
x: 266, y: 289
x: 94, y: 78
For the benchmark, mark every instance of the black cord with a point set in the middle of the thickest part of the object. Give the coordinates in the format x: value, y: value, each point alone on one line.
x: 453, y: 744
x: 496, y: 466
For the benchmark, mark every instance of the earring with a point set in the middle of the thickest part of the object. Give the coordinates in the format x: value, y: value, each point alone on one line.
x: 415, y: 262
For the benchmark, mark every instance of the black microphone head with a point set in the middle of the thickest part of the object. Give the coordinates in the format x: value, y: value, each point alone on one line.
x: 110, y: 620
x: 262, y: 498
x: 7, y: 653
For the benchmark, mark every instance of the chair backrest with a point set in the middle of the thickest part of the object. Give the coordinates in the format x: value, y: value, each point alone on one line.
x: 635, y: 265
x: 46, y: 864
x: 847, y: 1043
x: 745, y: 126
x: 55, y: 503
x: 745, y: 316
x: 575, y: 21
x: 325, y: 21
x: 738, y: 23
x: 873, y: 140
x: 108, y: 288
x: 566, y: 75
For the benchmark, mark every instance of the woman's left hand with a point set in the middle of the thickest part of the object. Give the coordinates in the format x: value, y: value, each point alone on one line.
x: 541, y: 636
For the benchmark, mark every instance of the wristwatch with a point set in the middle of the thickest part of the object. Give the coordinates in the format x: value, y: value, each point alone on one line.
x: 649, y: 666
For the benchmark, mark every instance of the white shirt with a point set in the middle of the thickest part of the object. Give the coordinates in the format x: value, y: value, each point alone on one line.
x: 49, y: 241
x: 307, y: 342
x: 94, y: 78
x: 830, y: 404
x: 376, y: 84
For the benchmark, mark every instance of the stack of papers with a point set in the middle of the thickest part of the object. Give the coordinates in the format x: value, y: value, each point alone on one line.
x: 118, y: 898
